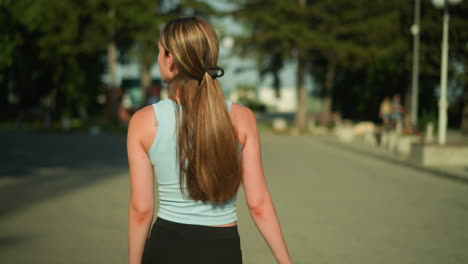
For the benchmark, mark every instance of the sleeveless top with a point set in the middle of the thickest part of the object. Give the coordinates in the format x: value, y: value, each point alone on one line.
x: 174, y: 205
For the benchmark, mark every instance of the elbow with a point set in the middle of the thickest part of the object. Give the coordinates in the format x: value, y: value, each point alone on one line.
x: 257, y: 209
x: 141, y: 214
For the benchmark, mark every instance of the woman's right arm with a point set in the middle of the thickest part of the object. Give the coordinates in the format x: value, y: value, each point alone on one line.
x: 256, y: 190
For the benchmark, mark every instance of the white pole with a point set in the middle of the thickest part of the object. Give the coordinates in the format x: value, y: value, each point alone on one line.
x: 415, y: 77
x: 442, y: 135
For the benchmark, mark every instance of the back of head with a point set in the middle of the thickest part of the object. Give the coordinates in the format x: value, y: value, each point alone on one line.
x: 209, y: 160
x: 193, y: 43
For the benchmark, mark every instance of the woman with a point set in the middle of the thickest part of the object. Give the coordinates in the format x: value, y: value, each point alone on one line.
x: 201, y: 149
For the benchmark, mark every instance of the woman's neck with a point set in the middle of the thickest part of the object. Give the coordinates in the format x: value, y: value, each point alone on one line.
x: 174, y: 94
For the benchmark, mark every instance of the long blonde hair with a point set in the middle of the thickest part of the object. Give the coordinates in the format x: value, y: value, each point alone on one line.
x: 208, y: 149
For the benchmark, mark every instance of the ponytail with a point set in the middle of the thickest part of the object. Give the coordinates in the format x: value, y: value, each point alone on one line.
x: 209, y: 157
x: 208, y: 151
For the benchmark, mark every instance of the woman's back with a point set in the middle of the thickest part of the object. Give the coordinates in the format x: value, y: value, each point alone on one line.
x: 174, y: 203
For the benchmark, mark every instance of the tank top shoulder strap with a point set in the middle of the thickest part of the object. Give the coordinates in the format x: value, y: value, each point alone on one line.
x: 164, y: 112
x: 229, y: 105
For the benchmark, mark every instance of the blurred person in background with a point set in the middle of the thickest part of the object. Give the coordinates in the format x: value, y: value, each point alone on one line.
x: 385, y: 112
x: 201, y: 148
x: 397, y: 113
x: 153, y: 93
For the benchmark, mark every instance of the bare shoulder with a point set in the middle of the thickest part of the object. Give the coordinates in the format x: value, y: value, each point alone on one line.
x: 244, y: 120
x: 142, y: 126
x: 242, y: 115
x: 142, y: 117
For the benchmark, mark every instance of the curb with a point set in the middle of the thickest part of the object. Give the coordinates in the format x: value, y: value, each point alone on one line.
x: 439, y: 172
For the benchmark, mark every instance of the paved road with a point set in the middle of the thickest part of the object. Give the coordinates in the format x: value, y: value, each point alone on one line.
x: 63, y: 199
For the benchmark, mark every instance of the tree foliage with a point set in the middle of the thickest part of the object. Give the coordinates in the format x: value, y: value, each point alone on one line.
x: 358, y: 51
x: 53, y: 51
x: 272, y: 33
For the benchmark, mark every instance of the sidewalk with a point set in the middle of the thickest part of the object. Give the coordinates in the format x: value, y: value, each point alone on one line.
x: 457, y: 173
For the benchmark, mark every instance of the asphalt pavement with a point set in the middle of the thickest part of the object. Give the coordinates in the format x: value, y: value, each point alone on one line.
x: 64, y: 199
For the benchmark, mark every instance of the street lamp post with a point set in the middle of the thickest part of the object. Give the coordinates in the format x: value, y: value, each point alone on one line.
x: 442, y: 133
x: 415, y: 78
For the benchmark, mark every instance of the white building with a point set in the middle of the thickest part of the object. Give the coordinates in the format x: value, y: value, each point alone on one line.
x: 287, y: 102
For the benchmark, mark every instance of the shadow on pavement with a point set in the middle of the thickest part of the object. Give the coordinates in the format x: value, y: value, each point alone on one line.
x: 6, y: 241
x: 38, y: 166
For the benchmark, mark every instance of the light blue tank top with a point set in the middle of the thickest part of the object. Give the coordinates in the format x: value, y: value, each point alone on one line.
x: 173, y: 205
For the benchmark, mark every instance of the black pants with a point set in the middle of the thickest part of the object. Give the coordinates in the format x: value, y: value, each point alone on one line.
x: 172, y: 243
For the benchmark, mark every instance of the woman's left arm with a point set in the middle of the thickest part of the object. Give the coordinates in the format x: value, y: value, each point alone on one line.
x: 141, y: 207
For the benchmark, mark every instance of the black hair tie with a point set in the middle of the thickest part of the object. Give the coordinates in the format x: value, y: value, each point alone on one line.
x: 213, y: 71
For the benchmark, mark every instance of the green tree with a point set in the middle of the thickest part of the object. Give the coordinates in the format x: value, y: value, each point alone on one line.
x: 53, y: 31
x: 349, y: 35
x: 459, y: 56
x: 60, y: 46
x: 276, y: 34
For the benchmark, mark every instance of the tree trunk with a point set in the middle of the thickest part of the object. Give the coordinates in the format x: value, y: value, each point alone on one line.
x: 329, y: 83
x: 464, y: 118
x: 277, y: 84
x: 111, y: 53
x: 49, y: 106
x: 145, y: 81
x: 407, y: 124
x: 83, y: 112
x: 301, y: 114
x: 111, y: 66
